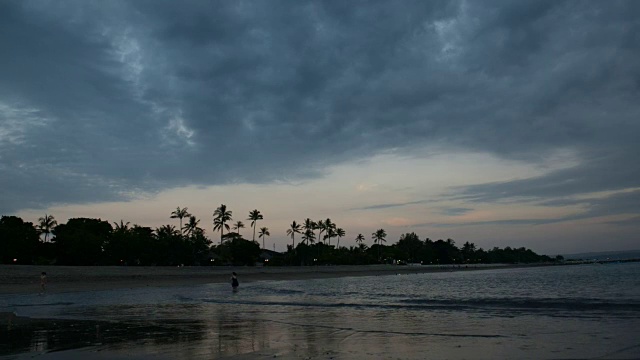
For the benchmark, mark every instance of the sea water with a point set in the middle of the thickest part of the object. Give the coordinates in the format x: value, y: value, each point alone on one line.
x: 554, y: 312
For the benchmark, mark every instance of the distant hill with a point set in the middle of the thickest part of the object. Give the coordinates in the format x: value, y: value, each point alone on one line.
x: 605, y: 255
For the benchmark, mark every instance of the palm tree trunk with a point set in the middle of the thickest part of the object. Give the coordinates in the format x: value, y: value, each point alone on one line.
x: 254, y: 232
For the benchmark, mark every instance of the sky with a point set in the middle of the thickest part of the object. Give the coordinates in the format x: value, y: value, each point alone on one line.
x: 502, y: 123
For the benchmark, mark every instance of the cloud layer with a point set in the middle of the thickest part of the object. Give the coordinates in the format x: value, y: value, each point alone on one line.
x: 113, y: 100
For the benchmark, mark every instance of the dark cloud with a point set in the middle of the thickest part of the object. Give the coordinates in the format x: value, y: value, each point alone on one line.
x: 507, y: 222
x: 604, y: 173
x: 623, y: 203
x: 456, y: 211
x: 109, y: 100
x: 391, y: 205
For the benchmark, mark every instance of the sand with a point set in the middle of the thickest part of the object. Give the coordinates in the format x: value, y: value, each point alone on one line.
x: 24, y: 279
x: 217, y: 330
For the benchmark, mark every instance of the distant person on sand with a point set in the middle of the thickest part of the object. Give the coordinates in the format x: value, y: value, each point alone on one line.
x: 234, y: 281
x: 43, y: 281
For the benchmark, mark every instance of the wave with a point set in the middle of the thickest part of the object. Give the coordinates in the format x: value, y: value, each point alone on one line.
x: 42, y: 304
x: 495, y: 306
x: 570, y: 304
x: 263, y: 290
x: 390, y: 332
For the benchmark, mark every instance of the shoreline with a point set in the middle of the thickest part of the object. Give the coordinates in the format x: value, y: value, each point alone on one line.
x: 441, y: 314
x: 25, y: 279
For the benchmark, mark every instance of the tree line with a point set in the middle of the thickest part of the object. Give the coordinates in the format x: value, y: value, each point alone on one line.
x: 86, y: 241
x: 408, y: 249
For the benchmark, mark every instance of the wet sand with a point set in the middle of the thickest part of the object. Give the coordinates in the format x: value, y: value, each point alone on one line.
x: 66, y: 339
x: 282, y: 325
x: 24, y: 279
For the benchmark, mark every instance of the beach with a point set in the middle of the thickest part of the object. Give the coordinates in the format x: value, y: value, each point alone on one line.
x: 323, y: 313
x: 24, y: 279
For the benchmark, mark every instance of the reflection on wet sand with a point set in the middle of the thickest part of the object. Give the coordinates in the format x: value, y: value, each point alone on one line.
x: 219, y: 331
x: 38, y: 336
x: 222, y: 331
x: 408, y: 317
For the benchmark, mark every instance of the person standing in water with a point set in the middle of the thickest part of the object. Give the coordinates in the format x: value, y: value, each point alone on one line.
x: 43, y: 281
x: 234, y: 281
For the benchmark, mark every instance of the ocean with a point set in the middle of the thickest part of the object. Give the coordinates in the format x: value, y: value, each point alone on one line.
x: 551, y: 312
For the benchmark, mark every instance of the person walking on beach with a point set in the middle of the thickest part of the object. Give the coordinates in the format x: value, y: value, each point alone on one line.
x: 43, y: 281
x: 234, y: 281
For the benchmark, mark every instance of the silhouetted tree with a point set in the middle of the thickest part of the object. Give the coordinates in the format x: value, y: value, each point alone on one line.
x: 292, y: 230
x: 339, y: 233
x: 378, y: 238
x: 329, y: 234
x: 199, y: 245
x: 85, y: 241
x: 180, y: 214
x: 238, y: 225
x: 329, y: 229
x: 409, y: 246
x: 143, y: 245
x: 309, y: 226
x: 264, y: 231
x: 468, y: 252
x: 117, y: 249
x: 308, y: 236
x: 19, y: 240
x: 445, y: 251
x: 254, y: 216
x: 322, y: 227
x: 46, y: 225
x: 239, y: 251
x: 192, y: 226
x: 80, y: 241
x: 220, y: 218
x: 176, y: 251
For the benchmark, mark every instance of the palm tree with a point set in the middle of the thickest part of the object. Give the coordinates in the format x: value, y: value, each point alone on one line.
x: 378, y: 237
x: 254, y: 216
x: 180, y: 214
x: 220, y: 217
x: 264, y: 231
x: 294, y: 228
x: 192, y: 226
x: 330, y: 229
x: 309, y: 236
x: 238, y: 225
x: 47, y: 223
x: 359, y: 238
x: 309, y: 225
x: 330, y: 233
x: 122, y: 227
x: 167, y: 230
x: 320, y: 225
x: 339, y: 233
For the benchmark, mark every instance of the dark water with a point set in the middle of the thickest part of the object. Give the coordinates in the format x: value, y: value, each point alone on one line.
x: 562, y: 312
